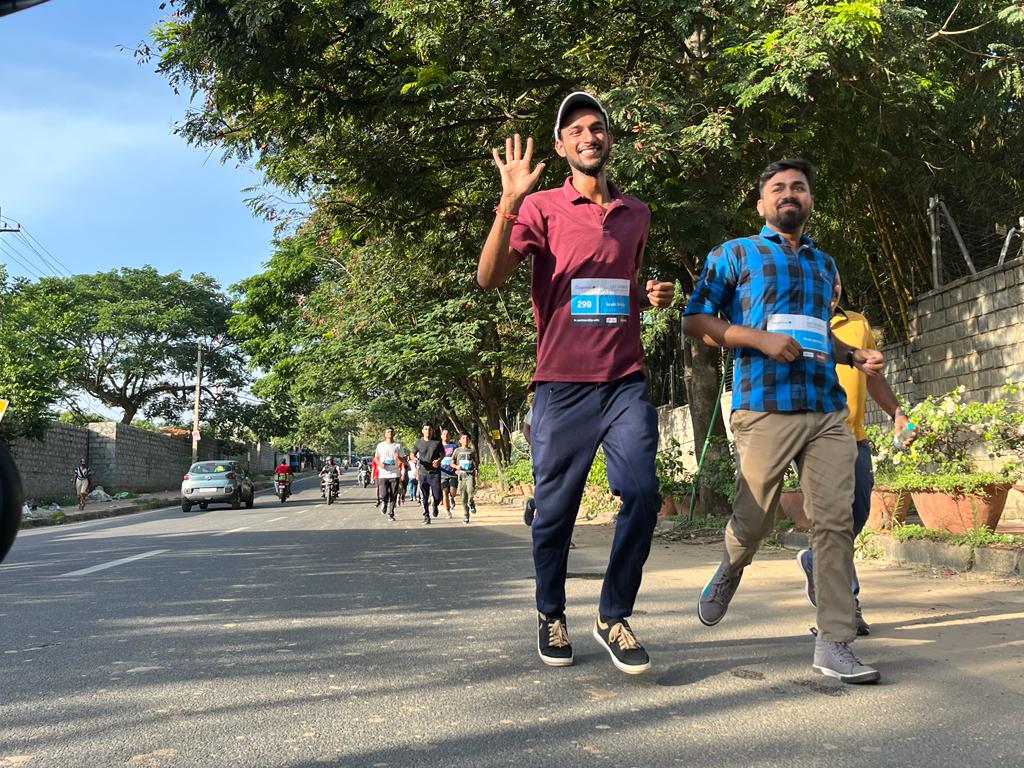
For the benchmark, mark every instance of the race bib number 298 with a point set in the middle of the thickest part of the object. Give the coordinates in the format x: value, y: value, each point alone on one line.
x: 600, y: 301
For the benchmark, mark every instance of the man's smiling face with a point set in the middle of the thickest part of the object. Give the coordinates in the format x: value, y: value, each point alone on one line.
x: 585, y: 141
x: 786, y: 201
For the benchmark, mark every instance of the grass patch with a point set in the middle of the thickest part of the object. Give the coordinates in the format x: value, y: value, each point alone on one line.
x: 976, y: 537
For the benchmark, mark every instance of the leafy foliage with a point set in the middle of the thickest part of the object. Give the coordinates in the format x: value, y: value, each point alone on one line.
x: 129, y: 337
x: 953, y: 437
x: 381, y: 116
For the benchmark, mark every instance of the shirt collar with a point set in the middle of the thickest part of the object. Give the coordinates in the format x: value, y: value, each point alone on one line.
x: 770, y: 234
x: 574, y: 197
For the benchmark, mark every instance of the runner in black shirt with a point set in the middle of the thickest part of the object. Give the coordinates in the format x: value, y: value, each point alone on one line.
x: 429, y: 452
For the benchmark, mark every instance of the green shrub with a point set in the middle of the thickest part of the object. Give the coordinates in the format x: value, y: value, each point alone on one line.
x: 950, y: 433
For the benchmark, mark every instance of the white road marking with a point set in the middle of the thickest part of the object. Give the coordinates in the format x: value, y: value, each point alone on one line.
x: 233, y: 530
x: 114, y: 563
x: 275, y: 519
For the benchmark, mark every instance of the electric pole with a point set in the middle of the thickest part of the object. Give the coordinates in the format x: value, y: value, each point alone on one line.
x: 195, y: 407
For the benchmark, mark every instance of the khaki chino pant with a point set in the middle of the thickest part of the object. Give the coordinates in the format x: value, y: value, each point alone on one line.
x: 825, y: 452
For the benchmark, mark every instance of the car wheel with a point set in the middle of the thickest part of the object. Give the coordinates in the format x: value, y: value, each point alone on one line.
x: 236, y: 501
x: 251, y: 499
x: 204, y: 505
x: 186, y: 505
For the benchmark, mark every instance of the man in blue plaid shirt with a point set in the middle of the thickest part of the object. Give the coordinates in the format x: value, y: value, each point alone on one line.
x: 769, y: 298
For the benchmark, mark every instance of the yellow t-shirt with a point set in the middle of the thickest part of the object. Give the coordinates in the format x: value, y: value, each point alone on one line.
x: 853, y: 328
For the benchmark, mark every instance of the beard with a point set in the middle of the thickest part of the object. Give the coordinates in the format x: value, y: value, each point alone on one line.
x: 788, y: 219
x: 592, y: 168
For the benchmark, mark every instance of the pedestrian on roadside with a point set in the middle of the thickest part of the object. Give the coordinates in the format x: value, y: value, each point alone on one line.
x: 853, y: 328
x: 464, y: 459
x: 585, y: 241
x: 774, y: 292
x: 428, y: 452
x: 81, y: 478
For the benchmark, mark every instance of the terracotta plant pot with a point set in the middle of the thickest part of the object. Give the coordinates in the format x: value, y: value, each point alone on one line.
x: 960, y: 512
x: 668, y: 507
x: 887, y: 507
x: 792, y: 504
x: 683, y: 505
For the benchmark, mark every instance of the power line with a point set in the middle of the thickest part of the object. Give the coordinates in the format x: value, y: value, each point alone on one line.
x: 53, y: 260
x: 9, y: 252
x: 13, y: 249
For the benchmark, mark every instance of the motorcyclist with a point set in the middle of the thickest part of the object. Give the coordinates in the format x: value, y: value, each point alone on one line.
x: 330, y: 472
x: 364, y: 471
x: 283, y: 471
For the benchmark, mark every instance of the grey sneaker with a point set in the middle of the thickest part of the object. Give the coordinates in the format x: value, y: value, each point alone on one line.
x: 805, y: 559
x: 716, y: 596
x: 863, y: 628
x: 838, y: 660
x: 553, y: 641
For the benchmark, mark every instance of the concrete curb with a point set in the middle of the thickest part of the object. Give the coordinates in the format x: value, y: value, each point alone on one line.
x: 139, y: 505
x: 1000, y: 562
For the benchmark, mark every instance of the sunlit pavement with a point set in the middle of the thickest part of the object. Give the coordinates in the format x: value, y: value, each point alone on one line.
x: 302, y: 635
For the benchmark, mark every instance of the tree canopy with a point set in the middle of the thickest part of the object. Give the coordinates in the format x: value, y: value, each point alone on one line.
x: 130, y: 338
x: 382, y: 114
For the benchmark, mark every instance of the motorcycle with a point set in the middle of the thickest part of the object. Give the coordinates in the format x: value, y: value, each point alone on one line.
x: 12, y: 496
x: 329, y: 487
x: 364, y: 477
x: 282, y: 489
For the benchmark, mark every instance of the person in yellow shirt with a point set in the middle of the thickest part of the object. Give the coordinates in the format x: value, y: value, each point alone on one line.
x: 853, y: 328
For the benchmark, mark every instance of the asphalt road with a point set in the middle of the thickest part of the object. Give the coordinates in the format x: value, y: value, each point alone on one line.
x: 307, y: 635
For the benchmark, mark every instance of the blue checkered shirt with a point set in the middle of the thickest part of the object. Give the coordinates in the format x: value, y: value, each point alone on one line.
x: 751, y: 278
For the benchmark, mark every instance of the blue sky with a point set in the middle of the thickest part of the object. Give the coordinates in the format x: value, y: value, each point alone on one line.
x: 88, y: 160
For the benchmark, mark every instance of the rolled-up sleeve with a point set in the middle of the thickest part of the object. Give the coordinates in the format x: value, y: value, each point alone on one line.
x: 528, y: 232
x: 716, y: 284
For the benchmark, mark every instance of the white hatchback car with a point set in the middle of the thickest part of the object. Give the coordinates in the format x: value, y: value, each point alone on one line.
x: 216, y: 482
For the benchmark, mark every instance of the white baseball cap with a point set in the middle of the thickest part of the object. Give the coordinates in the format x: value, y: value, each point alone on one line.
x: 576, y: 100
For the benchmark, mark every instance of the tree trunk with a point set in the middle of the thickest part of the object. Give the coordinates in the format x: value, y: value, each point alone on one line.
x: 702, y: 382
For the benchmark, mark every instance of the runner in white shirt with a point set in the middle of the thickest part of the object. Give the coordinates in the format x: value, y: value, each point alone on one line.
x: 390, y: 470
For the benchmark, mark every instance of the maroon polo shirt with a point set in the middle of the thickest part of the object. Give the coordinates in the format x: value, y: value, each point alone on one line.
x: 586, y: 302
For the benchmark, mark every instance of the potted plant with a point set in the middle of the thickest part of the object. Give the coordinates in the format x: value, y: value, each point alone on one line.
x: 675, y: 482
x: 966, y: 457
x: 791, y: 501
x: 889, y: 502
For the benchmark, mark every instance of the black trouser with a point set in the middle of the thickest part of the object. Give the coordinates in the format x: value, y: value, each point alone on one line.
x: 387, y: 490
x: 430, y: 481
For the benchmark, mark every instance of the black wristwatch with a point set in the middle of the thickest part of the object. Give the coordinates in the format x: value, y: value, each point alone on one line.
x: 849, y: 358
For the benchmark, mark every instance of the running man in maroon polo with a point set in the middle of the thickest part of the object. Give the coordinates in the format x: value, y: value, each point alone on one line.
x: 585, y: 241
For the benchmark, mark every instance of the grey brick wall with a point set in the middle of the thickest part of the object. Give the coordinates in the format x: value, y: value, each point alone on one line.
x: 123, y: 458
x: 46, y: 465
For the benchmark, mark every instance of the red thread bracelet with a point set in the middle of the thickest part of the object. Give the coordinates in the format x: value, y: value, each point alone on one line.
x: 507, y: 216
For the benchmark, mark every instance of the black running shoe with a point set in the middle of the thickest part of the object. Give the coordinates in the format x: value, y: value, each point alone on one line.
x: 620, y: 642
x: 553, y: 641
x: 529, y: 510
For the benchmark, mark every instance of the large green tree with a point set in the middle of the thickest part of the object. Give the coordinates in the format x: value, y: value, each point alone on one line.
x: 32, y: 364
x: 383, y: 112
x: 132, y: 337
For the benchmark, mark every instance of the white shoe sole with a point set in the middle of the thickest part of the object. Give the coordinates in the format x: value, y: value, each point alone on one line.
x: 629, y: 669
x: 863, y: 677
x: 553, y: 662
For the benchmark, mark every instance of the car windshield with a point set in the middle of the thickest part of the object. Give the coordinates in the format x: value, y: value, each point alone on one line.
x: 209, y: 467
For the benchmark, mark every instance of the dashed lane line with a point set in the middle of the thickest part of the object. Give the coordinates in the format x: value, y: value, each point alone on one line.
x: 233, y: 530
x: 114, y: 563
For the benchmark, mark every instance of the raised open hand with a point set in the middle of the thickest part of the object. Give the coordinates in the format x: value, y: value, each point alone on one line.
x: 517, y: 179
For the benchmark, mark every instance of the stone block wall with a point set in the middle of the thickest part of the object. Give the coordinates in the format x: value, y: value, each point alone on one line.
x: 123, y: 458
x: 46, y: 465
